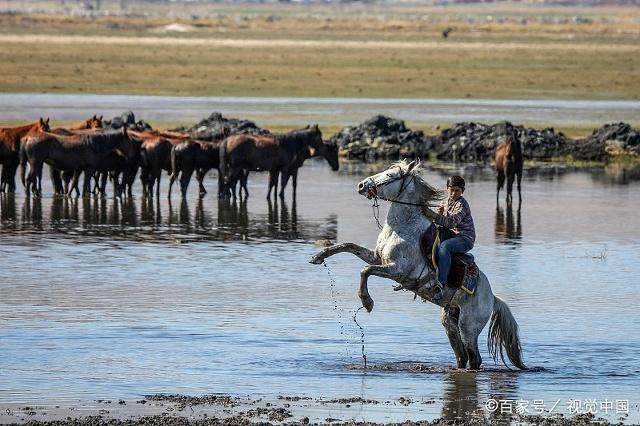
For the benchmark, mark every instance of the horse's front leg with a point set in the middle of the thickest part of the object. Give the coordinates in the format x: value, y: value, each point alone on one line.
x: 362, y: 252
x: 389, y: 270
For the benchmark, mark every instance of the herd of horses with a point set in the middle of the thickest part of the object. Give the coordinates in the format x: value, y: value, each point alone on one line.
x: 96, y: 153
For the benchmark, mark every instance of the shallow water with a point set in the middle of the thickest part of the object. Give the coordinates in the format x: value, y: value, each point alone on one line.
x: 302, y: 111
x: 111, y: 299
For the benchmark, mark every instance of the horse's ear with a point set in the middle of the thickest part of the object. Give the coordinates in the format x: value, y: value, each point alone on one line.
x: 101, y: 117
x: 94, y: 117
x: 41, y: 121
x: 413, y: 164
x: 47, y: 122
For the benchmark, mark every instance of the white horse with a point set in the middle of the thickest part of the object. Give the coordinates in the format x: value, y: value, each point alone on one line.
x: 398, y: 256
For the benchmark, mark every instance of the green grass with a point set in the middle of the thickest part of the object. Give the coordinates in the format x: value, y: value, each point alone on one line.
x: 318, y: 71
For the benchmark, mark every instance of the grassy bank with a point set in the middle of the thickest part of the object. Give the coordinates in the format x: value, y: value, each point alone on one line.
x: 507, y: 52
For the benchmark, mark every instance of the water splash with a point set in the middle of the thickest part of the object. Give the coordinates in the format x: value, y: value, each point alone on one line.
x: 364, y: 355
x: 332, y: 282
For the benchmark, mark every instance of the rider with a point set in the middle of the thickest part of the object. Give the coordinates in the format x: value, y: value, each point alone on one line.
x: 454, y: 214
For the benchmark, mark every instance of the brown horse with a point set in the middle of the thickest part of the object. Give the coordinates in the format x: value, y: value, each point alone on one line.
x: 196, y: 155
x: 155, y: 157
x: 60, y: 180
x: 278, y: 154
x: 80, y: 153
x: 10, y: 150
x: 509, y: 164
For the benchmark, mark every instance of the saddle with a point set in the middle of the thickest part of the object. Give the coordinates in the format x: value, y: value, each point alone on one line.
x: 463, y: 271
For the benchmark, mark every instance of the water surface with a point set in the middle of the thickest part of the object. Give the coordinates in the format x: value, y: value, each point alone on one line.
x: 102, y: 298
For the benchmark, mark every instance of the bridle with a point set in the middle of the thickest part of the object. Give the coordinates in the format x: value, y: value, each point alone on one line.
x: 403, y: 185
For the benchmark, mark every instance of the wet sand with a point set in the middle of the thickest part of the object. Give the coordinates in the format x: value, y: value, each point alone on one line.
x: 291, y: 410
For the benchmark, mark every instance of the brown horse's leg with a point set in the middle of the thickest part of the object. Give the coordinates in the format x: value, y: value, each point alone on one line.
x: 284, y: 178
x: 185, y: 178
x: 243, y: 182
x: 510, y: 178
x: 520, y: 185
x: 200, y: 175
x: 86, y: 187
x: 273, y: 183
x: 500, y: 185
x: 294, y: 182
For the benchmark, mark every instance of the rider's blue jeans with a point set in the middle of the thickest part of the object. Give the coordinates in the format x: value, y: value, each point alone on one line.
x: 445, y: 251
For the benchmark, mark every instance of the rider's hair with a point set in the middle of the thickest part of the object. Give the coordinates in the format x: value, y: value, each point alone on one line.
x: 456, y: 181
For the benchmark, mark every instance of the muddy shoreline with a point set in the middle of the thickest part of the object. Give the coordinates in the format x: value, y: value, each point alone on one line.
x: 218, y: 409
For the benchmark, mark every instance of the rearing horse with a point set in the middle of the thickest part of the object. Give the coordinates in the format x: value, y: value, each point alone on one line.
x: 509, y: 164
x: 398, y: 256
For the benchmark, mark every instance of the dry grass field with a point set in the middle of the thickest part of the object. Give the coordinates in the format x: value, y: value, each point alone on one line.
x: 507, y: 51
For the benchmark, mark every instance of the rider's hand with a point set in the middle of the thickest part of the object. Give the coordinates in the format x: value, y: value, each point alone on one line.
x: 440, y: 209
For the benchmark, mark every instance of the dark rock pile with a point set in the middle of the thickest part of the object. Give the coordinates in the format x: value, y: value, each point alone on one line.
x: 382, y: 137
x: 127, y: 119
x: 216, y: 124
x: 477, y: 142
x: 610, y: 140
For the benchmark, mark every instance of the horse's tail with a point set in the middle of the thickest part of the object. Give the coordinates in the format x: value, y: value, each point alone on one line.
x: 503, y: 335
x: 174, y: 163
x: 223, y: 161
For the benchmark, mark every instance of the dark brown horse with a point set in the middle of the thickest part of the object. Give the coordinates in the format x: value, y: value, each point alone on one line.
x: 10, y: 150
x: 278, y: 154
x: 80, y: 153
x: 199, y: 156
x: 59, y: 179
x: 509, y: 164
x: 155, y: 157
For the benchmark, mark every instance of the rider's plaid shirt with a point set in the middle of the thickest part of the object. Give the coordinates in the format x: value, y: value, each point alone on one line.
x: 457, y: 217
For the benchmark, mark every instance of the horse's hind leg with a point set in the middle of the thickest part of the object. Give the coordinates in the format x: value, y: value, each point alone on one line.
x: 520, y: 186
x: 510, y: 178
x: 449, y: 319
x: 499, y: 185
x: 471, y: 323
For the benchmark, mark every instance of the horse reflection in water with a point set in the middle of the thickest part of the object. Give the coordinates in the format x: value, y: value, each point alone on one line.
x: 465, y: 400
x: 157, y: 221
x: 507, y: 230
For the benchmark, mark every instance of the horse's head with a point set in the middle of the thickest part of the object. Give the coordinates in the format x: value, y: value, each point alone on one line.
x: 129, y: 144
x: 330, y: 153
x: 389, y: 183
x: 94, y: 122
x: 43, y: 125
x: 400, y: 180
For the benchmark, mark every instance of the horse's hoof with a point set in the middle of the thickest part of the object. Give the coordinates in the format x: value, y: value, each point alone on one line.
x: 367, y: 302
x: 316, y: 260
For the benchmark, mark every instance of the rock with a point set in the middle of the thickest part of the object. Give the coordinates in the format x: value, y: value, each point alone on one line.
x: 381, y: 137
x: 478, y: 142
x: 608, y: 141
x: 216, y: 124
x: 127, y: 119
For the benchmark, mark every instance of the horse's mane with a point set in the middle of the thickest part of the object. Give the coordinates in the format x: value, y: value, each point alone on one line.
x: 295, y: 137
x: 428, y: 194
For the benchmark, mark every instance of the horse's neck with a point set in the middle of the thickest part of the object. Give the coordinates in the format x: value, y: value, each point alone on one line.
x: 294, y: 143
x: 403, y: 215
